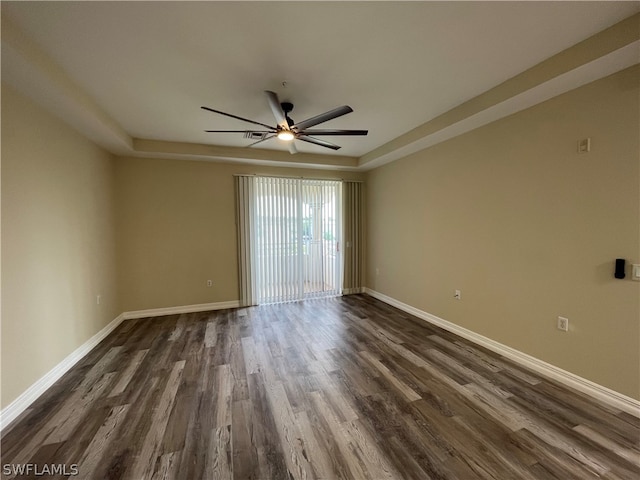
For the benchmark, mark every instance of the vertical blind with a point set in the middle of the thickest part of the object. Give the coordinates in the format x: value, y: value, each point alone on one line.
x: 289, y: 238
x: 353, y: 233
x: 244, y: 225
x: 278, y: 240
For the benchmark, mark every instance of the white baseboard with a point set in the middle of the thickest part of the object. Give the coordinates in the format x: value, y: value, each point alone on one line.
x: 604, y: 394
x: 201, y: 307
x: 20, y: 404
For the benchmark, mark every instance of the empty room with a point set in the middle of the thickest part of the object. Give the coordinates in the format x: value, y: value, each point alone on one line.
x: 320, y: 240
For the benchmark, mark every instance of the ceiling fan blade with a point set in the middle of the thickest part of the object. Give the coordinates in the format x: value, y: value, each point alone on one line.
x: 260, y: 141
x: 336, y: 132
x: 238, y: 118
x: 239, y: 131
x: 323, y: 117
x: 278, y: 113
x: 317, y: 141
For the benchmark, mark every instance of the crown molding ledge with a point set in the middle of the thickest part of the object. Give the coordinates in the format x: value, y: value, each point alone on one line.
x: 196, y: 151
x: 29, y: 70
x: 602, y: 54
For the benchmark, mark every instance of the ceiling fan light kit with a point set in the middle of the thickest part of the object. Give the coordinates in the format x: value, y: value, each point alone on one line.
x: 287, y: 130
x: 286, y: 135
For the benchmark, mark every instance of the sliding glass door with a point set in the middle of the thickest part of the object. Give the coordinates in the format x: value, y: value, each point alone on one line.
x: 321, y: 238
x: 295, y: 238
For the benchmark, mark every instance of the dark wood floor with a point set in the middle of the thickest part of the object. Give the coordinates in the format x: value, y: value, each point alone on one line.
x: 345, y: 387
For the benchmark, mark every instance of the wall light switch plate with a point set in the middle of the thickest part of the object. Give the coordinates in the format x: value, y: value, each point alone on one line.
x: 635, y: 272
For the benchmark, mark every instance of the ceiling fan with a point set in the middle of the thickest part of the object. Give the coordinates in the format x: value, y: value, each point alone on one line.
x: 286, y: 129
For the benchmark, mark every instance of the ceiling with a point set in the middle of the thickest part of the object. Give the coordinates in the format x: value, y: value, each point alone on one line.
x: 132, y: 76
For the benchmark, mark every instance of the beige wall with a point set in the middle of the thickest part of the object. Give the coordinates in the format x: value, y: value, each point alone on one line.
x: 176, y: 229
x: 527, y: 229
x: 58, y: 242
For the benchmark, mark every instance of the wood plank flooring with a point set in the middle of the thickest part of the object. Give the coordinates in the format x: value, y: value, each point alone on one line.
x: 339, y: 388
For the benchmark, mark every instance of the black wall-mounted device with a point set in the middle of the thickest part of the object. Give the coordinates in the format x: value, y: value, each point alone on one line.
x: 620, y: 264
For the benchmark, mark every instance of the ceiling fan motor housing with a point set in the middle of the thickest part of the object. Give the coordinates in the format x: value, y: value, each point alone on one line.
x: 286, y: 108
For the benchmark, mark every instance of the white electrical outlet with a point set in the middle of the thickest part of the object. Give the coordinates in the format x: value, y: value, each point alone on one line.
x: 563, y: 324
x: 209, y: 283
x: 98, y: 299
x: 457, y: 295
